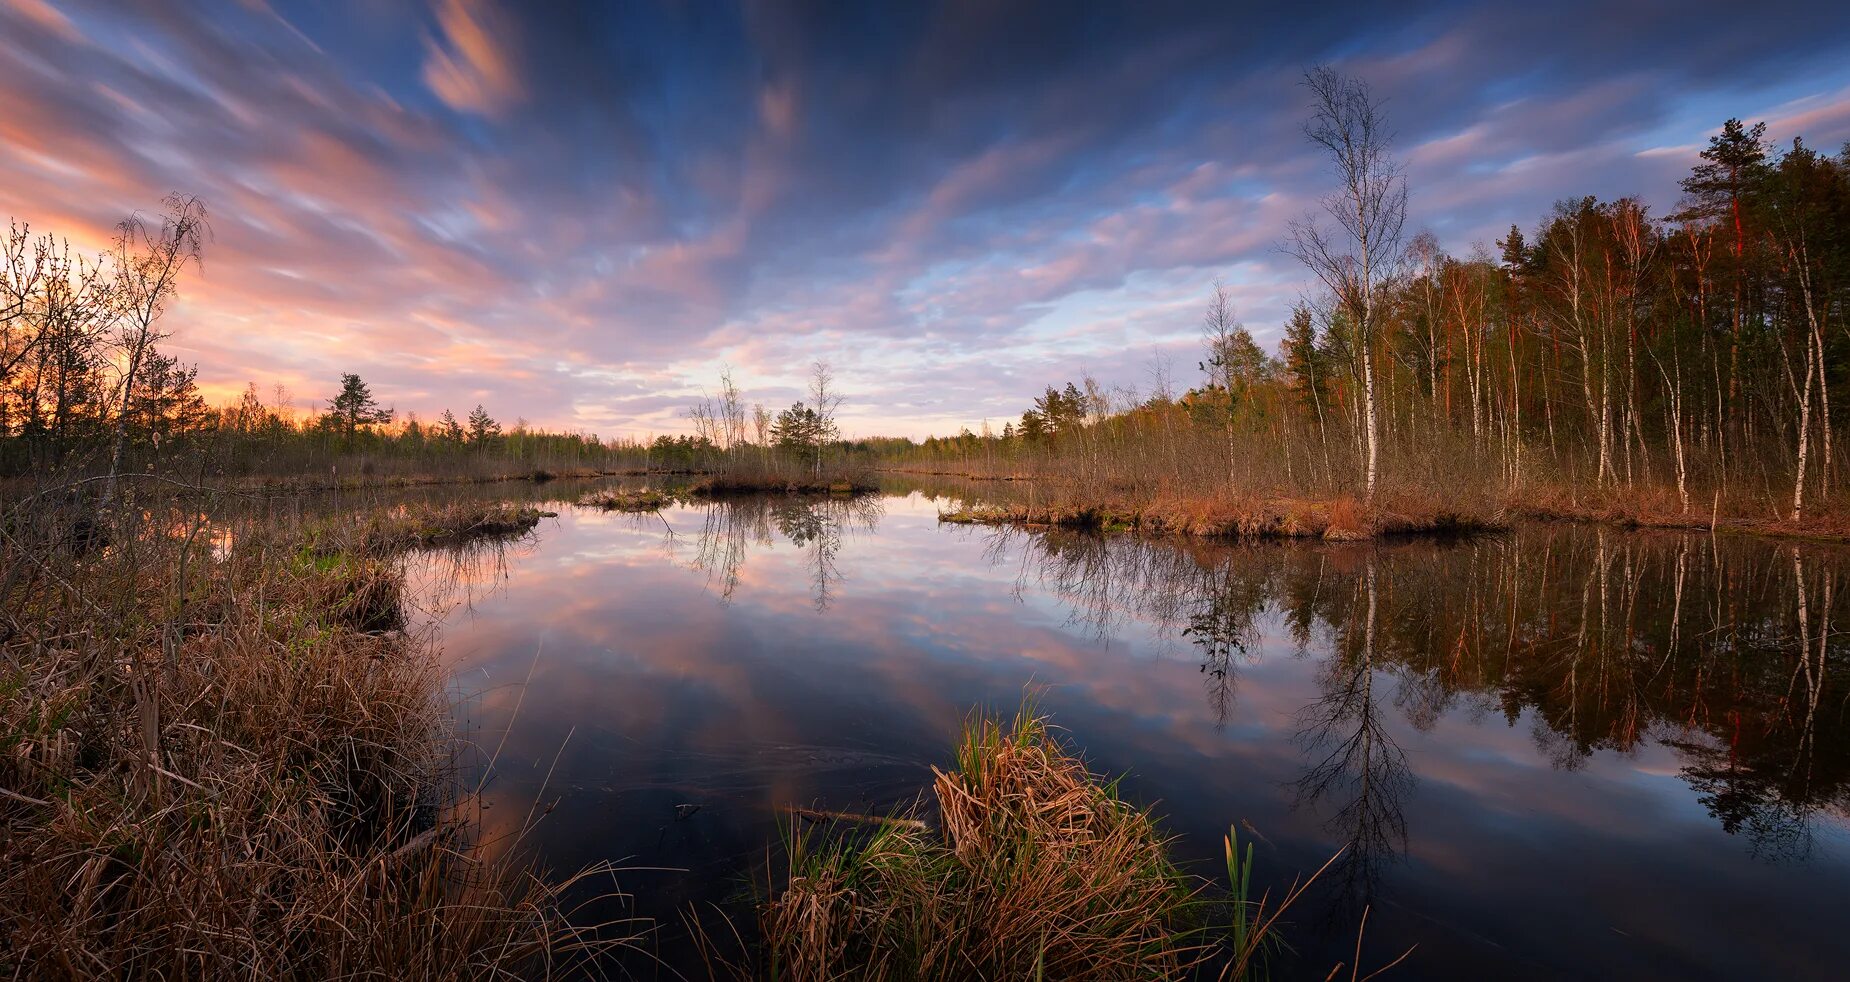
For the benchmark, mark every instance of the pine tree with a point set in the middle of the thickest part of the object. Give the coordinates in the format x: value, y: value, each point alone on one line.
x: 1304, y: 363
x: 482, y: 427
x: 355, y: 407
x: 796, y: 431
x: 448, y: 428
x: 1735, y: 164
x: 1033, y: 426
x: 1516, y: 257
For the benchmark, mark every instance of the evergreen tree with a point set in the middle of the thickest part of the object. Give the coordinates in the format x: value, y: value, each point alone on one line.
x: 1033, y: 426
x: 1734, y: 165
x: 1058, y: 410
x: 482, y: 427
x: 167, y: 402
x: 1516, y: 257
x: 448, y: 428
x: 798, y: 431
x: 355, y: 407
x: 1305, y: 365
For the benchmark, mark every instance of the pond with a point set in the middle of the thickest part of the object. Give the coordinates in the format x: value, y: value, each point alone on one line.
x: 1564, y: 751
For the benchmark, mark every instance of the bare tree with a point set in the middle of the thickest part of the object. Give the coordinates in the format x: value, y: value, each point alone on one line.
x: 761, y: 428
x: 1358, y: 260
x: 1219, y: 328
x: 49, y: 298
x: 148, y: 263
x: 1428, y: 261
x: 704, y: 417
x: 23, y: 263
x: 731, y: 413
x: 824, y: 400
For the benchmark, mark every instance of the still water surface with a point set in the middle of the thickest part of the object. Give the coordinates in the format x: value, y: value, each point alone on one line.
x: 1562, y: 752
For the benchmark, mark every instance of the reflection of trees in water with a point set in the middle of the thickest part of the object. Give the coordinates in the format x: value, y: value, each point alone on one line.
x: 1357, y: 770
x: 1222, y: 626
x: 1106, y: 582
x: 1597, y: 640
x: 731, y: 526
x: 460, y: 574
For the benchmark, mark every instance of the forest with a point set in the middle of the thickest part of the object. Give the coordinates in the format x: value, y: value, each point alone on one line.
x: 1610, y: 363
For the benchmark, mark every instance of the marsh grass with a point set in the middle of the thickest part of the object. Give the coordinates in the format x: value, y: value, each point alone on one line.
x: 1038, y: 870
x: 379, y: 533
x: 1337, y: 519
x: 774, y: 482
x: 223, y: 756
x: 620, y: 499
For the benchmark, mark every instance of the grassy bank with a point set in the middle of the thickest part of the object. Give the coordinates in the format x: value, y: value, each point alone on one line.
x: 1340, y: 518
x: 1662, y: 508
x: 1035, y: 869
x: 395, y: 477
x: 222, y: 756
x: 748, y: 474
x: 387, y: 531
x: 619, y: 499
x: 1117, y: 498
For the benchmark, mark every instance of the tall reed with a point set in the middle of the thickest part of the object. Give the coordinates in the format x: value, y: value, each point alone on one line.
x: 1037, y: 869
x: 223, y: 756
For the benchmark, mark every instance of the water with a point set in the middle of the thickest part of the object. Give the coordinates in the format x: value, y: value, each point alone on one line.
x: 1561, y: 752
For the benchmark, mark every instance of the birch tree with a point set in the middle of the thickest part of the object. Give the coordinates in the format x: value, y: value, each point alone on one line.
x: 823, y: 401
x: 1360, y: 258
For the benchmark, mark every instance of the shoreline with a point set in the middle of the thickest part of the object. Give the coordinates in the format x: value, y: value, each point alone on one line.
x: 1346, y: 518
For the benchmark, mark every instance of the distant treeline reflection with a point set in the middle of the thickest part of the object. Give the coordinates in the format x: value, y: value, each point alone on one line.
x: 1724, y: 649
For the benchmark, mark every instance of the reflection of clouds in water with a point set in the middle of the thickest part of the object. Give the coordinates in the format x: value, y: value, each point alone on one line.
x: 1425, y: 742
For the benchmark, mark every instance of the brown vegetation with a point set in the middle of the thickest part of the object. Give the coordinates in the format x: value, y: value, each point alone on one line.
x: 1037, y: 869
x: 1040, y: 872
x: 749, y: 482
x: 219, y: 757
x: 621, y: 499
x: 1337, y: 519
x: 1609, y: 365
x: 381, y: 532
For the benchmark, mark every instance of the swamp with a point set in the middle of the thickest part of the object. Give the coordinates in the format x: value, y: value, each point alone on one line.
x: 1633, y: 741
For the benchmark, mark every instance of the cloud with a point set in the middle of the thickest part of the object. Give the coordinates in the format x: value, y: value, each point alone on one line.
x: 42, y: 14
x: 472, y: 67
x: 577, y: 212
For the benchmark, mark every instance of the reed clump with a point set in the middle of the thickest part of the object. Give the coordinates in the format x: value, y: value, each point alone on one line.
x: 619, y: 499
x: 1336, y: 519
x: 384, y: 531
x: 214, y: 764
x: 1039, y: 870
x: 773, y: 482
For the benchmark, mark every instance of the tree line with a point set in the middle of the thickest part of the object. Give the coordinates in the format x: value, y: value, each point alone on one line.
x: 730, y: 437
x: 1693, y: 361
x: 87, y: 389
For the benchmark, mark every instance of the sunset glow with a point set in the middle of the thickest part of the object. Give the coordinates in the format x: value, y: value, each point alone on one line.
x: 580, y: 216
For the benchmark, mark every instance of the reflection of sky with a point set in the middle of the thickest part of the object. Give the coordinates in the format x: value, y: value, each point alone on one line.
x: 671, y: 697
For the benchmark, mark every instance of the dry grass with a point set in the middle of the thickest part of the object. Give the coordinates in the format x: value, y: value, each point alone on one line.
x: 410, y: 474
x: 1040, y: 871
x: 1339, y: 518
x: 618, y: 499
x: 1659, y: 507
x: 720, y: 485
x: 214, y: 763
x: 386, y: 531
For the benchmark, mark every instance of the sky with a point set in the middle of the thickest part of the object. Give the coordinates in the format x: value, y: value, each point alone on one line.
x: 580, y: 214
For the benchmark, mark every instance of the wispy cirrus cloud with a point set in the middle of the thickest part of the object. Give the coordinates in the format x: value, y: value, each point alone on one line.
x: 471, y: 64
x: 577, y: 213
